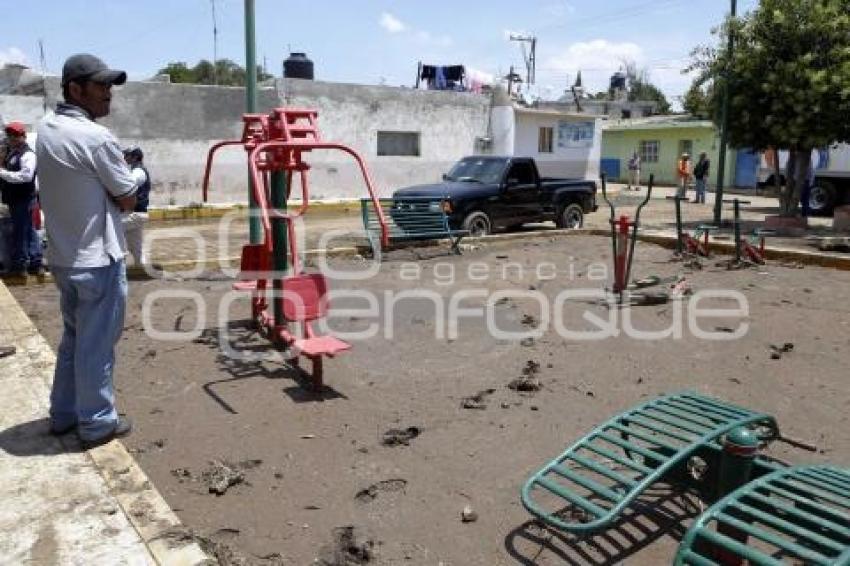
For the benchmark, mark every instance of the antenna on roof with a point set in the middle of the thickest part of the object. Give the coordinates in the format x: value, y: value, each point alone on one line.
x: 530, y: 57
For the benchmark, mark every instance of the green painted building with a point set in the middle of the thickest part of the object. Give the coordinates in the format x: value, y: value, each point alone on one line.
x: 660, y: 140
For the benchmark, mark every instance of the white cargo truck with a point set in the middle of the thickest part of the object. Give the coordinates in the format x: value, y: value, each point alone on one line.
x: 831, y: 186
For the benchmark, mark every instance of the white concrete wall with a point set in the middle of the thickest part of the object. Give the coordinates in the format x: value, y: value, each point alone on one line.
x: 176, y: 125
x: 565, y: 160
x: 503, y: 130
x: 26, y: 109
x: 448, y: 123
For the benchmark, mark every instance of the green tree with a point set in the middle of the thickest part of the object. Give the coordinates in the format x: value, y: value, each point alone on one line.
x: 179, y: 72
x: 225, y: 72
x: 700, y: 101
x: 789, y: 79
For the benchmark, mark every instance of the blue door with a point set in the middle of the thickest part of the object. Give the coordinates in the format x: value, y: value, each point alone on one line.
x: 611, y: 167
x: 746, y: 169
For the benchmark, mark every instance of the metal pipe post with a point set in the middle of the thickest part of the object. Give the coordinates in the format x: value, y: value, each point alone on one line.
x: 635, y: 227
x: 737, y: 205
x: 724, y: 126
x: 250, y: 108
x: 678, y: 204
x: 740, y: 447
x: 679, y: 248
x: 280, y: 258
x: 620, y: 260
x: 613, y: 223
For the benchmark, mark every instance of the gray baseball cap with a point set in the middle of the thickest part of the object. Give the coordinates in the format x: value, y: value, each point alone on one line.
x: 88, y: 67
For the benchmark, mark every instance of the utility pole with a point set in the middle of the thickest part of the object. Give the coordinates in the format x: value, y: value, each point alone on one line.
x: 215, y: 44
x: 43, y: 61
x: 251, y: 108
x: 530, y: 57
x: 512, y: 78
x: 724, y: 124
x: 578, y: 91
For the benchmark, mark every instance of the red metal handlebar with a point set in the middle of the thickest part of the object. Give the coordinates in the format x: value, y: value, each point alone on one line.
x: 210, y: 154
x: 257, y: 126
x: 306, y: 146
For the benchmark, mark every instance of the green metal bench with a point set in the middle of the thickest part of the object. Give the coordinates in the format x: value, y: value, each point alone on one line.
x: 411, y: 218
x: 597, y: 478
x: 797, y: 515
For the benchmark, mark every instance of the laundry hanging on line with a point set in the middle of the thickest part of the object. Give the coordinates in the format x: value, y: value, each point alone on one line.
x: 439, y: 77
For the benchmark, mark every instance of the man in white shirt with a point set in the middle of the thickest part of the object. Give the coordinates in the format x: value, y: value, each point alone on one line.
x: 134, y: 222
x: 85, y: 184
x: 18, y: 186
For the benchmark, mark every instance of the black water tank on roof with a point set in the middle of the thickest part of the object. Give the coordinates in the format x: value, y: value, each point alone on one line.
x: 298, y: 66
x: 618, y: 80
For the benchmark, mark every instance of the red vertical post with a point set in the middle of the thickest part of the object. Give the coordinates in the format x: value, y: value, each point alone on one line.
x: 622, y: 254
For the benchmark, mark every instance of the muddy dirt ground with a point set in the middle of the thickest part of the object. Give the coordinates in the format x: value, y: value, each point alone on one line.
x: 271, y: 472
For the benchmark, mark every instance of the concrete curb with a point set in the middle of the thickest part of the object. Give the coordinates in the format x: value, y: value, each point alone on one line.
x: 145, y: 507
x: 667, y: 240
x: 142, y: 504
x: 806, y: 257
x: 207, y: 211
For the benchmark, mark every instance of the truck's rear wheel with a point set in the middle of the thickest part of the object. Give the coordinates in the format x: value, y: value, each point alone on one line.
x: 477, y: 224
x: 822, y: 197
x: 571, y: 217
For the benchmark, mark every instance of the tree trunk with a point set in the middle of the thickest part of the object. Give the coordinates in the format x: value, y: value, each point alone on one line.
x: 777, y: 174
x: 796, y: 176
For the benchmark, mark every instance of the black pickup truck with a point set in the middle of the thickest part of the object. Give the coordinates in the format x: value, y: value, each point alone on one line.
x: 483, y: 193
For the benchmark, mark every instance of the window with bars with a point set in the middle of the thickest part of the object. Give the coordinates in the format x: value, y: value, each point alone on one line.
x: 398, y: 143
x: 686, y: 146
x: 648, y: 150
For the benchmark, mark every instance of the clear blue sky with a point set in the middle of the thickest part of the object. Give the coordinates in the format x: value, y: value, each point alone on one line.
x: 374, y: 41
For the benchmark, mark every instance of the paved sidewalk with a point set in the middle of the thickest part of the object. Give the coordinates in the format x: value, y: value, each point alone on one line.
x: 61, y: 505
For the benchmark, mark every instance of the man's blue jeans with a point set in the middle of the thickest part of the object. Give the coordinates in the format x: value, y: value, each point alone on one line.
x: 26, y: 248
x: 700, y: 190
x: 92, y: 301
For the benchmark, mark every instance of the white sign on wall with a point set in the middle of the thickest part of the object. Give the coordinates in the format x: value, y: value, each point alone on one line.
x: 575, y: 134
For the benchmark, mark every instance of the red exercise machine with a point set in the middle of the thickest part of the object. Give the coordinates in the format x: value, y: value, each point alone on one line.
x: 622, y: 241
x: 285, y: 300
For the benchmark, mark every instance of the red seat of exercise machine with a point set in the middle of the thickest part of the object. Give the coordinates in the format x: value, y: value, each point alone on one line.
x: 305, y: 297
x: 321, y: 346
x: 254, y: 261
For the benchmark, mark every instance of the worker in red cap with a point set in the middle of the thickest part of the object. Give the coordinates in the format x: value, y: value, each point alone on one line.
x: 18, y: 186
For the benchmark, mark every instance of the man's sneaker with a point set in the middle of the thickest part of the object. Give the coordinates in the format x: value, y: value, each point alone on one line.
x: 122, y: 428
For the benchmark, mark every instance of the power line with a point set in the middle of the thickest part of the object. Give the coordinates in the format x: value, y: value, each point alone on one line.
x: 606, y: 18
